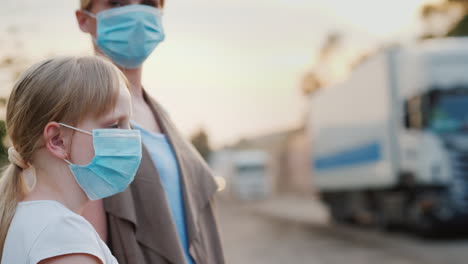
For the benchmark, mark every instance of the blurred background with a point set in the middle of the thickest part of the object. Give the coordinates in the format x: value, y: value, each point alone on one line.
x: 337, y: 130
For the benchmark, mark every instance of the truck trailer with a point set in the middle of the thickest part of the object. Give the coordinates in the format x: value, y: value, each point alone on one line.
x: 390, y: 142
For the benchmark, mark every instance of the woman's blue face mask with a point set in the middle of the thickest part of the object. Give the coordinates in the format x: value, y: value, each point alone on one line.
x: 128, y: 35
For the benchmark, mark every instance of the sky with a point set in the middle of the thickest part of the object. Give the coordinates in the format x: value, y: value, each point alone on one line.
x: 233, y: 67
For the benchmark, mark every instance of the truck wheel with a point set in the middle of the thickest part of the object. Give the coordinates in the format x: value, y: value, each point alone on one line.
x: 382, y: 221
x: 422, y: 223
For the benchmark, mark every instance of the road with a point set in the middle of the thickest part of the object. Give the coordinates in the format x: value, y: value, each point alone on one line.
x: 250, y: 237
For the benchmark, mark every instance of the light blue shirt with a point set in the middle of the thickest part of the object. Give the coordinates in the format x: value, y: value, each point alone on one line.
x: 165, y: 161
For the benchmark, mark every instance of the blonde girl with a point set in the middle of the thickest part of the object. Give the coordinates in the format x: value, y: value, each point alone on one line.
x: 68, y: 121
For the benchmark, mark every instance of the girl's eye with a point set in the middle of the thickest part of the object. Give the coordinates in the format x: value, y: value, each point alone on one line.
x: 116, y: 3
x: 152, y: 3
x: 116, y: 125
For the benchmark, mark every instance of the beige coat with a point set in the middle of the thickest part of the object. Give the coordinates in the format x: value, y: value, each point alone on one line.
x: 141, y: 230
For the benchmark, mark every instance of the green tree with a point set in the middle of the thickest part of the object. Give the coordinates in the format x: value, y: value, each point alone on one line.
x: 3, y: 148
x: 453, y: 14
x: 201, y: 142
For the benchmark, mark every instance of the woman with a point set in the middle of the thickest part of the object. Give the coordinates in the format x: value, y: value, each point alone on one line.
x: 68, y: 121
x: 167, y: 215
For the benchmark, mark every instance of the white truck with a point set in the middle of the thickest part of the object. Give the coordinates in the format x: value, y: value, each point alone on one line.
x: 390, y: 143
x: 246, y: 173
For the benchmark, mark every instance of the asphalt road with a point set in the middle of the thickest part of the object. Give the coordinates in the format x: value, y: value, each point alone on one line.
x: 250, y: 237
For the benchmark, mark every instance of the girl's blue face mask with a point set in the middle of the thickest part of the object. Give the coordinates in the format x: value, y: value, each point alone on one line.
x: 116, y: 161
x: 128, y: 34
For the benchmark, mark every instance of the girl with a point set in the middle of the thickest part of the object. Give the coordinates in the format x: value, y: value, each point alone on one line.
x: 68, y: 121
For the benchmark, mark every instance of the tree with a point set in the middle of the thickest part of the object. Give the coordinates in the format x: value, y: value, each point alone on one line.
x: 201, y: 142
x: 329, y: 46
x: 3, y: 149
x: 319, y: 75
x: 310, y: 83
x: 13, y: 62
x: 446, y: 18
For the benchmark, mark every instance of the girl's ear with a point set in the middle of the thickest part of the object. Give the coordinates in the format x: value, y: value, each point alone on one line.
x: 55, y: 140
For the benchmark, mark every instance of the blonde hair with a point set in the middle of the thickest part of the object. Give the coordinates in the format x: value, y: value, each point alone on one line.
x: 65, y: 89
x: 86, y: 4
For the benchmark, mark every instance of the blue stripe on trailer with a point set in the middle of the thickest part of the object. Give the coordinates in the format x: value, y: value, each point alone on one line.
x: 363, y: 154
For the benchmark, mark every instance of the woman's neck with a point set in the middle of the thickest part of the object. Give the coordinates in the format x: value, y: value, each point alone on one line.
x: 134, y: 78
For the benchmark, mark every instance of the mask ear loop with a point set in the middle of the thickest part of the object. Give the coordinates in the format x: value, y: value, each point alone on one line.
x: 77, y: 129
x: 89, y: 13
x: 92, y: 16
x: 67, y: 161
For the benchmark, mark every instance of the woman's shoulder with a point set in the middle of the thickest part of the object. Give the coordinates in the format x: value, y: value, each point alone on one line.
x: 45, y: 229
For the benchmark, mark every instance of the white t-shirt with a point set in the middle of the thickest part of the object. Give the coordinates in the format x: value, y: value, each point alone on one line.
x: 45, y: 229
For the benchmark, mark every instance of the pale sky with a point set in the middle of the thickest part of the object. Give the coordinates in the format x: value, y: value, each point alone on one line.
x: 231, y: 66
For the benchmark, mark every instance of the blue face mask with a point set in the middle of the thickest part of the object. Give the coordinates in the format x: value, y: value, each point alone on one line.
x: 116, y: 161
x: 128, y: 34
